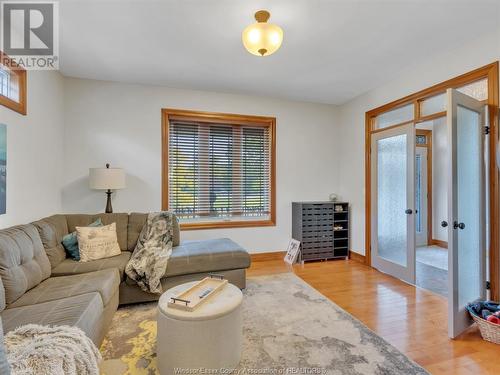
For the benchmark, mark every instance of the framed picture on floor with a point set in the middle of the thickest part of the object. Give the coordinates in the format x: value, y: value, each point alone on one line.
x: 292, y: 252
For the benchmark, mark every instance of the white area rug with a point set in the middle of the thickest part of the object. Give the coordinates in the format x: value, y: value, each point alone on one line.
x: 289, y: 329
x: 434, y: 256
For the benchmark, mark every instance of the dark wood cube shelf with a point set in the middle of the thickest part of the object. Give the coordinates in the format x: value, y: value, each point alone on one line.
x: 322, y: 229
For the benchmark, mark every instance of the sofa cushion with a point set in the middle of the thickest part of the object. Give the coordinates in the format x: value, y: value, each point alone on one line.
x: 71, y: 267
x: 207, y: 256
x: 52, y: 229
x: 121, y: 220
x: 105, y: 282
x: 23, y: 262
x: 135, y: 223
x: 83, y: 311
x: 56, y: 255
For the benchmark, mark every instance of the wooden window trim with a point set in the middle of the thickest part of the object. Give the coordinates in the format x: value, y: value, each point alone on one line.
x: 392, y: 127
x: 433, y: 116
x: 169, y: 114
x: 491, y: 72
x: 21, y: 106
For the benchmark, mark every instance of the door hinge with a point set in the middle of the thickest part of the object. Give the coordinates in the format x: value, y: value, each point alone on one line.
x: 486, y: 130
x: 488, y: 285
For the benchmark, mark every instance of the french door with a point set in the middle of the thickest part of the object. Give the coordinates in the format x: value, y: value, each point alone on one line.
x: 393, y: 201
x: 466, y: 208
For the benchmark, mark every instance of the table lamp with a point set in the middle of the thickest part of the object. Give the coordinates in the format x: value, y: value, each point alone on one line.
x: 107, y: 179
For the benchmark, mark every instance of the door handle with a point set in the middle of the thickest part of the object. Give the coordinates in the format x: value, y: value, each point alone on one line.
x: 408, y: 211
x: 444, y: 224
x: 458, y: 225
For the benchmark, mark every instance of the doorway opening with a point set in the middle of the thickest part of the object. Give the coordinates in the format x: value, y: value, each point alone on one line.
x: 431, y: 208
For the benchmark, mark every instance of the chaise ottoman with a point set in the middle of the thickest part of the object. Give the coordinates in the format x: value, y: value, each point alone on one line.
x: 210, y: 337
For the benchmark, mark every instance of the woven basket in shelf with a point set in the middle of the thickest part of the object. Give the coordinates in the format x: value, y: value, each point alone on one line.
x: 489, y: 331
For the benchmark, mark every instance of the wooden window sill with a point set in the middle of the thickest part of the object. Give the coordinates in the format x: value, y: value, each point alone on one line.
x: 227, y: 224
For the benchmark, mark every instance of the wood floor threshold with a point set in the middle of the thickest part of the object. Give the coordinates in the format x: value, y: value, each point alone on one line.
x: 264, y: 257
x: 439, y: 243
x: 357, y: 257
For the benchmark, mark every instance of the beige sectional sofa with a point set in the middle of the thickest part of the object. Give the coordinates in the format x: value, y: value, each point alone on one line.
x: 38, y: 284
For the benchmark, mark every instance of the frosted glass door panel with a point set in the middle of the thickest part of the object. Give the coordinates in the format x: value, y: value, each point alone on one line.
x: 391, y: 199
x: 421, y: 196
x: 393, y: 202
x: 469, y: 203
x: 418, y: 193
x: 466, y: 208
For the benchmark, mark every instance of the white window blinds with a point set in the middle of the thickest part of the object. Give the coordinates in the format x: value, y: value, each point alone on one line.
x: 5, y: 85
x: 9, y: 84
x: 219, y: 172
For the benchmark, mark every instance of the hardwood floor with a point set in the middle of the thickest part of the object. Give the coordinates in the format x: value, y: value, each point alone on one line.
x: 413, y: 320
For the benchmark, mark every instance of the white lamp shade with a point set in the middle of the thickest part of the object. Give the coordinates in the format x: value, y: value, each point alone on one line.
x: 106, y: 178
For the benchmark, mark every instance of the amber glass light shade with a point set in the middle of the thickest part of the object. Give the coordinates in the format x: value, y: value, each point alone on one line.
x: 262, y: 38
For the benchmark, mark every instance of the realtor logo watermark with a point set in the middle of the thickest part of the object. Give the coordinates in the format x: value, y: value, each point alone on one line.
x: 30, y: 33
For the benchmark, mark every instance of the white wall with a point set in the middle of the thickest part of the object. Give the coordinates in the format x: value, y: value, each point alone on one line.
x: 320, y: 147
x: 35, y: 151
x: 121, y: 124
x: 351, y: 150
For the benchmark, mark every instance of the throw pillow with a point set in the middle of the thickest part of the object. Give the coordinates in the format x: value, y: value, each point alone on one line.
x: 70, y: 241
x: 97, y: 243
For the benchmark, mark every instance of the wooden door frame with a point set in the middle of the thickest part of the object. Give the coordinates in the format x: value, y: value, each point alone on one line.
x: 490, y: 72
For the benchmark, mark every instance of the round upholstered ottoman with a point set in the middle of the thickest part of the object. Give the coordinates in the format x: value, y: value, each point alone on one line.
x: 209, y: 337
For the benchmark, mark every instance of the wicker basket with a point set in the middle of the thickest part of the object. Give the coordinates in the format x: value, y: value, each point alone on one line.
x: 489, y: 331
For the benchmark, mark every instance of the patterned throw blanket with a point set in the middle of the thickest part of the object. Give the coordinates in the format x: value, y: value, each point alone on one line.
x: 149, y: 260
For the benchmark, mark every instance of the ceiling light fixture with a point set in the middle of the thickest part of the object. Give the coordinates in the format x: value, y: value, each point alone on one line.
x: 262, y: 38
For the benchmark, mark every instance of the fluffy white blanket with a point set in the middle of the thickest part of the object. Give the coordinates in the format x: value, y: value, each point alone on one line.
x: 43, y: 350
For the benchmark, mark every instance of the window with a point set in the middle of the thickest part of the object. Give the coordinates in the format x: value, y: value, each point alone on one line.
x: 12, y: 85
x: 478, y: 90
x: 436, y: 105
x: 421, y: 139
x: 218, y: 169
x: 394, y: 117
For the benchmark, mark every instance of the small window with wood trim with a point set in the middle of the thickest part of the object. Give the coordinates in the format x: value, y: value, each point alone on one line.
x: 12, y: 84
x: 219, y: 169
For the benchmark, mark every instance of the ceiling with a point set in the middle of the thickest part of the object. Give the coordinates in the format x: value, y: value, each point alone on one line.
x: 332, y: 50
